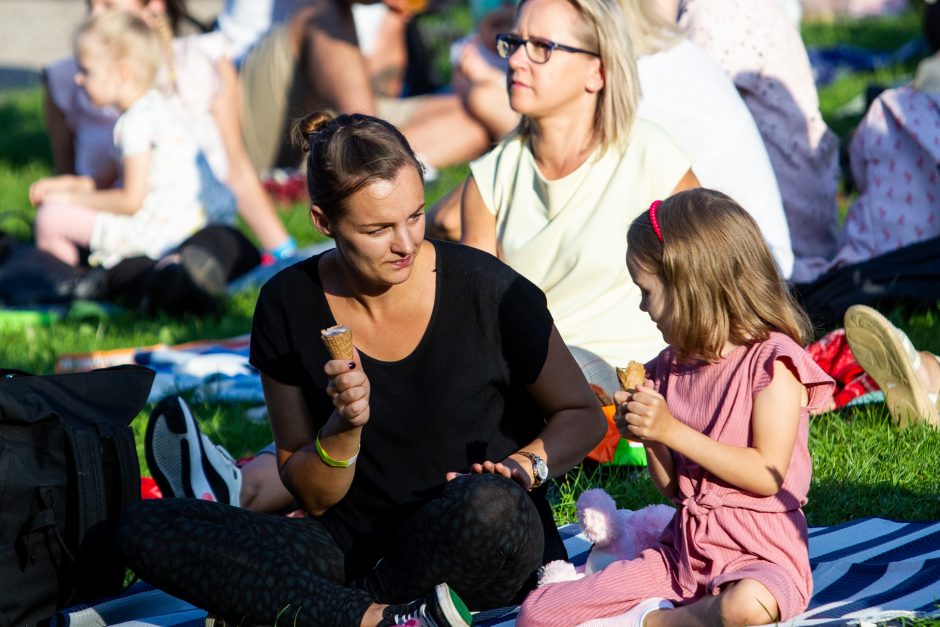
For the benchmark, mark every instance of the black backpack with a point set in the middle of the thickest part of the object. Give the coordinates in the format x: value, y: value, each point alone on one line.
x: 68, y: 468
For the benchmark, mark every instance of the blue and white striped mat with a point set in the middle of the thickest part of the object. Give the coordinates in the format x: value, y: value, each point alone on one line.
x: 865, y: 572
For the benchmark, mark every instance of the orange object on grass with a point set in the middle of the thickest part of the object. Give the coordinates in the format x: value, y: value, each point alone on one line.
x: 604, y: 452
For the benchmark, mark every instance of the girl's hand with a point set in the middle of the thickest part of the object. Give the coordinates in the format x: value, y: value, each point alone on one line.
x: 621, y: 399
x: 58, y: 188
x: 349, y: 389
x: 40, y: 189
x: 646, y: 416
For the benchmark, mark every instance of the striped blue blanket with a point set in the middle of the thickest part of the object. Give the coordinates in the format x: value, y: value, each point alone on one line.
x: 865, y: 572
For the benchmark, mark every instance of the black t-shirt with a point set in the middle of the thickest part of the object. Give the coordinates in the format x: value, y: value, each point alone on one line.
x: 459, y: 398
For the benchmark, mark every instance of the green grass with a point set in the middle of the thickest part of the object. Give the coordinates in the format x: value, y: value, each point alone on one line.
x: 863, y: 466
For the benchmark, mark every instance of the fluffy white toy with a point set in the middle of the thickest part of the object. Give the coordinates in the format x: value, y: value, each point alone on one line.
x: 617, y: 534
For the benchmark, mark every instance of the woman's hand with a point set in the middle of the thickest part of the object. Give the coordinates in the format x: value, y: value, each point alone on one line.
x: 509, y: 468
x: 644, y: 416
x: 349, y: 389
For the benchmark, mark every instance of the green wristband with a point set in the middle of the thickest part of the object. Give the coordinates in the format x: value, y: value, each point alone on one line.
x: 329, y: 461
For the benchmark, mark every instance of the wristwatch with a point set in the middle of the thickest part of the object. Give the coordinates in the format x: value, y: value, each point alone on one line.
x: 539, y: 469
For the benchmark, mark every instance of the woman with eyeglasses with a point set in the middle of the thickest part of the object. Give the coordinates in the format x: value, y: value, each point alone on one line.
x: 554, y: 198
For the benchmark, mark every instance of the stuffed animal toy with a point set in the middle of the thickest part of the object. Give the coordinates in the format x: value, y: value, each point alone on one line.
x: 617, y: 534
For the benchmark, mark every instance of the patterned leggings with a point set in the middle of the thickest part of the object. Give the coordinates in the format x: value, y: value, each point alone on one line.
x: 482, y: 536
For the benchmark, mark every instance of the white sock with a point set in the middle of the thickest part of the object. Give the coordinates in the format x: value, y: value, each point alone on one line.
x: 633, y: 617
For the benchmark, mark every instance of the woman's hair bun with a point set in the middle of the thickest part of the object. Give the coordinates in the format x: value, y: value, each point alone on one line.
x: 303, y: 128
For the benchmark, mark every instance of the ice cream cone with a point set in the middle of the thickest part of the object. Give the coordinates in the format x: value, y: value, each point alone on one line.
x: 631, y: 376
x: 338, y: 341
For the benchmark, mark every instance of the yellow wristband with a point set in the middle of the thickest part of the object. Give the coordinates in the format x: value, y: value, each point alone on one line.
x: 329, y: 461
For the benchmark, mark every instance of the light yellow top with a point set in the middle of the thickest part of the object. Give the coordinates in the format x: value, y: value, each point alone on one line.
x: 569, y: 236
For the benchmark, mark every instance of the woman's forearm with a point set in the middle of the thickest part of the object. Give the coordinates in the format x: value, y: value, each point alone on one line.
x: 315, y: 483
x: 570, y: 435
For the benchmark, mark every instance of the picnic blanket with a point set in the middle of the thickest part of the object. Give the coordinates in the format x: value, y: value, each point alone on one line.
x: 215, y: 370
x: 865, y: 572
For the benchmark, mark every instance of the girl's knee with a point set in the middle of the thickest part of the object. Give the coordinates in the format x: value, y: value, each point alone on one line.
x: 748, y: 602
x: 45, y: 222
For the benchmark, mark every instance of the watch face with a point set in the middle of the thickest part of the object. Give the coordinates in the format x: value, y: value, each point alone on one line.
x: 541, y: 469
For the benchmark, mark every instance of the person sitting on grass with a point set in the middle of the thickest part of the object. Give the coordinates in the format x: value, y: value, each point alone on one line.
x: 423, y: 460
x: 684, y: 91
x: 199, y: 79
x: 554, y: 198
x: 762, y: 51
x: 889, y: 247
x: 296, y: 55
x: 724, y: 418
x: 169, y: 191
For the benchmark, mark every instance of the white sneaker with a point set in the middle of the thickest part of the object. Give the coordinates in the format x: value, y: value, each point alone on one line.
x: 183, y: 461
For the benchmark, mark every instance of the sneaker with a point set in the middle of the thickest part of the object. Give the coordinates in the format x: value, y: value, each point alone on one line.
x: 888, y: 356
x: 440, y: 607
x: 183, y: 461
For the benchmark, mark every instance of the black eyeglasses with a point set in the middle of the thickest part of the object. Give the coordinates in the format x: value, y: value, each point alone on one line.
x: 537, y: 49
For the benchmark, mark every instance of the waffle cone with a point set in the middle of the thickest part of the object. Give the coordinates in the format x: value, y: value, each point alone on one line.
x: 631, y: 376
x: 338, y: 341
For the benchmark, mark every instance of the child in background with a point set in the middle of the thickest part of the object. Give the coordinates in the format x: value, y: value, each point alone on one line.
x: 724, y: 419
x: 169, y: 191
x: 198, y: 76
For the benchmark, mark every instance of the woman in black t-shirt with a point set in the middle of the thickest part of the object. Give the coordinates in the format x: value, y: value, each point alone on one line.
x: 423, y: 460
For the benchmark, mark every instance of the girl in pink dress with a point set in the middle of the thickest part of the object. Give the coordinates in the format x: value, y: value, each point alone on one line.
x: 724, y: 419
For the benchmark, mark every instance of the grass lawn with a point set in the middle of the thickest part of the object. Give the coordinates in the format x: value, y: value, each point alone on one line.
x: 862, y: 465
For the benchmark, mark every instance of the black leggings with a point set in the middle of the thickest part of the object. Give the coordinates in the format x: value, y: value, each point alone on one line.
x: 482, y: 536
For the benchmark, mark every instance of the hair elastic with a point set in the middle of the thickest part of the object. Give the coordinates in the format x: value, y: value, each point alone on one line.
x: 654, y: 207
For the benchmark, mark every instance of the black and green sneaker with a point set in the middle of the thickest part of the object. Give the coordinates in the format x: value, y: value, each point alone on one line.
x: 441, y: 607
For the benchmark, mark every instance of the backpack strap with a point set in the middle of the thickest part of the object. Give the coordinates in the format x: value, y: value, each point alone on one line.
x: 89, y: 478
x: 45, y: 519
x: 126, y: 451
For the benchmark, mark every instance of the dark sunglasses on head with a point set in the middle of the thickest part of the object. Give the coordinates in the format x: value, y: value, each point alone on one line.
x: 538, y: 50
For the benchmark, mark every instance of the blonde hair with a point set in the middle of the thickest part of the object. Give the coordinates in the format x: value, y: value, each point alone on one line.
x: 649, y: 29
x: 603, y: 28
x: 163, y: 26
x: 124, y: 36
x: 720, y: 279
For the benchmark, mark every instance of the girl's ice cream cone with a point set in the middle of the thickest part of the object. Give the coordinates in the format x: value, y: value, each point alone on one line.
x: 338, y: 341
x: 631, y: 376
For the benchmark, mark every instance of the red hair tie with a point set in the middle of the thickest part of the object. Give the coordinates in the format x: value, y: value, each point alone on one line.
x: 653, y: 208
